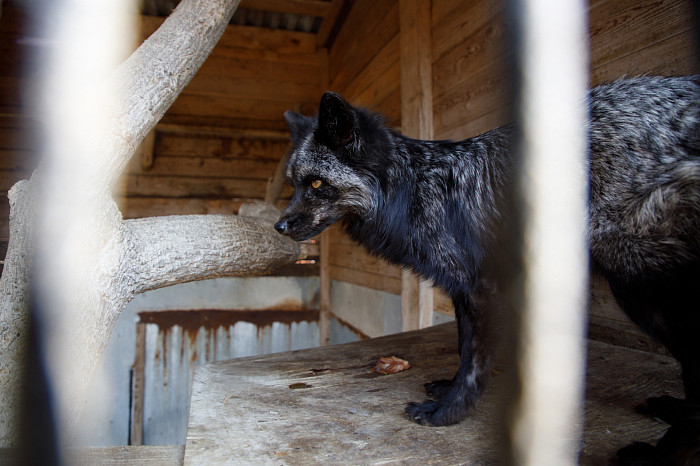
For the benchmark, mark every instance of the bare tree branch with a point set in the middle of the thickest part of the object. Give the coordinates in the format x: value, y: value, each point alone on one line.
x: 163, y: 251
x: 150, y: 80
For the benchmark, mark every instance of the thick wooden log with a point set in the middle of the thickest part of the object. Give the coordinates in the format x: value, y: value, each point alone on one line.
x: 163, y: 251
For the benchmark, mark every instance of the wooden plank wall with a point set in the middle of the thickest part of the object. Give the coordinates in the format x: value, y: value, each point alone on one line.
x: 364, y: 58
x: 223, y: 137
x: 470, y: 78
x: 469, y: 68
x: 215, y: 148
x: 364, y: 68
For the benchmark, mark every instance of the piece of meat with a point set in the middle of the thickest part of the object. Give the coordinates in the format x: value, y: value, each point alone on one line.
x: 391, y: 365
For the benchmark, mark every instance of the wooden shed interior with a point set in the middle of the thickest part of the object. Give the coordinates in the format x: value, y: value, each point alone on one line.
x: 435, y: 69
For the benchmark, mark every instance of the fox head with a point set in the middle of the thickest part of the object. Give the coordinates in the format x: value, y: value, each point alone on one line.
x: 334, y: 167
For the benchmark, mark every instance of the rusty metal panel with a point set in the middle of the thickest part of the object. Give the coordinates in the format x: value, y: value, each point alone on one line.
x: 174, y: 342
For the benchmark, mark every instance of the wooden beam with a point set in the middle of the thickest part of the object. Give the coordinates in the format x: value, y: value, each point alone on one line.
x: 325, y: 313
x: 138, y: 207
x: 417, y: 300
x: 222, y: 131
x: 245, y: 167
x: 276, y: 183
x: 416, y: 68
x: 137, y: 387
x: 141, y: 454
x: 351, y: 255
x: 191, y: 187
x: 324, y: 317
x: 146, y: 150
x: 332, y: 22
x: 366, y: 279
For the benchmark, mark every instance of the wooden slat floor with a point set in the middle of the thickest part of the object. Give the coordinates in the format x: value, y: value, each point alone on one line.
x: 324, y: 405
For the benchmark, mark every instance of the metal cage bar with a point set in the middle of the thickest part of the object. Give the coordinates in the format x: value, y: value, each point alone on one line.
x: 550, y: 252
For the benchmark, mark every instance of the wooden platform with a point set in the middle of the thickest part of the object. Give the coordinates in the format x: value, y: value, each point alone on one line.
x: 324, y: 405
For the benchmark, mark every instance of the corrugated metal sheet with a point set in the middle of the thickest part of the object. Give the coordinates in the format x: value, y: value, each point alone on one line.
x: 172, y: 350
x: 248, y: 15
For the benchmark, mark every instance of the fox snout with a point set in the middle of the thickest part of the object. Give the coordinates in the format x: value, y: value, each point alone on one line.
x: 288, y: 225
x: 297, y: 225
x: 281, y: 226
x: 303, y: 222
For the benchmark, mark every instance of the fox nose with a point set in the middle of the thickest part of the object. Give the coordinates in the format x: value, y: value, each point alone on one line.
x: 281, y: 226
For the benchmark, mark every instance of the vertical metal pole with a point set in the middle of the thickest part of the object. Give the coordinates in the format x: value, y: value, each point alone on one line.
x: 88, y: 41
x: 551, y: 201
x: 324, y: 316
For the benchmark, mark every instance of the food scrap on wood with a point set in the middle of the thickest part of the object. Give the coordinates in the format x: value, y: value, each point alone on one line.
x: 391, y: 365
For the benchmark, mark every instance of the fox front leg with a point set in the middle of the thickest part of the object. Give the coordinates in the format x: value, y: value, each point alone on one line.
x: 455, y: 398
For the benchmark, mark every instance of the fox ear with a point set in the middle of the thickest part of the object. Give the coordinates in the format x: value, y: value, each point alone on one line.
x: 337, y: 122
x: 299, y: 125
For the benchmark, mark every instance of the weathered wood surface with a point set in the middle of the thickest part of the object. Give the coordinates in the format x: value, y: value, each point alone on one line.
x: 325, y: 405
x: 169, y: 455
x: 128, y: 455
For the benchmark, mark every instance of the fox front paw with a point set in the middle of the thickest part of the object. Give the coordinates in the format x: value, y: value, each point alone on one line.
x: 434, y: 413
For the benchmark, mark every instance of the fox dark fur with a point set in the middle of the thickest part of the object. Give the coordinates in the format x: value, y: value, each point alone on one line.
x: 435, y: 207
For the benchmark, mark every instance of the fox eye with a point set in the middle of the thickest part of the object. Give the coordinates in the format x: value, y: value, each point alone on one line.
x: 316, y: 184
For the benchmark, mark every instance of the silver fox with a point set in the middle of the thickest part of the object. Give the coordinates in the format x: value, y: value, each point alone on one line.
x: 434, y: 207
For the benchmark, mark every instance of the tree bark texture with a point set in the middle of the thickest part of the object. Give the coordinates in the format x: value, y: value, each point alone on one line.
x: 162, y: 251
x: 15, y: 303
x: 150, y: 80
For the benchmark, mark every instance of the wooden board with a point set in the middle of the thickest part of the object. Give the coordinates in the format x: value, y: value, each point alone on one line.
x: 128, y: 455
x: 470, y: 68
x: 121, y: 455
x: 361, y: 38
x: 325, y: 405
x: 622, y: 30
x: 363, y: 63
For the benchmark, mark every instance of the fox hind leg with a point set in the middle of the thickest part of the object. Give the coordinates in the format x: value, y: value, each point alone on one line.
x: 667, y: 307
